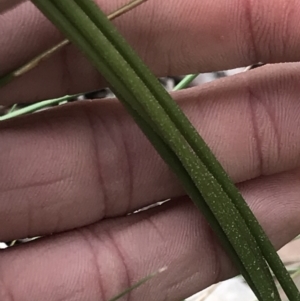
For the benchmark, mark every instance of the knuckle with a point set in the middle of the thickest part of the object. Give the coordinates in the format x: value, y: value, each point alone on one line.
x: 265, y: 131
x: 251, y: 28
x: 112, y: 160
x: 102, y: 244
x: 270, y: 26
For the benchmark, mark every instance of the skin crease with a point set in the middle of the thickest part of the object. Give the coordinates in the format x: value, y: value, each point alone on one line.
x: 7, y: 5
x: 82, y: 167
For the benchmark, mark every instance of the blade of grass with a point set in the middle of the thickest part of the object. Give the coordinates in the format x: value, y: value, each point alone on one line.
x: 185, y: 82
x: 37, y: 106
x: 40, y: 105
x: 13, y: 108
x: 126, y: 8
x: 136, y: 285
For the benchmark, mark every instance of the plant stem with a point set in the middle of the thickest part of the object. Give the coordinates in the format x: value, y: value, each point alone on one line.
x: 185, y: 82
x: 4, y: 80
x: 136, y: 285
x: 13, y: 108
x: 126, y: 8
x: 37, y: 106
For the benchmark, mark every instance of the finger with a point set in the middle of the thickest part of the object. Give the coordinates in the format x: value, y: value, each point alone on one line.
x: 83, y: 162
x: 173, y: 37
x: 100, y: 261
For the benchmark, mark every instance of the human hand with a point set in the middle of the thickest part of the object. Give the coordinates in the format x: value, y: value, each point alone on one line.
x: 80, y: 168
